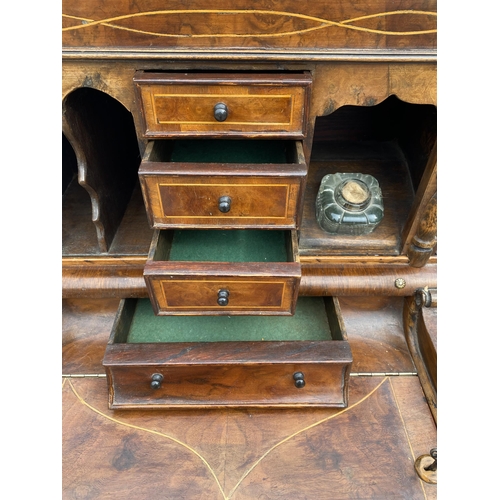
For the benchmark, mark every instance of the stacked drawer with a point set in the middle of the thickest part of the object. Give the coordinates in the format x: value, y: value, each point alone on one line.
x: 247, y: 105
x: 223, y: 180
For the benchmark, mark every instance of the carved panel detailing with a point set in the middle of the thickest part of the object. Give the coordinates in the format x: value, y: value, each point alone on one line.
x: 341, y: 84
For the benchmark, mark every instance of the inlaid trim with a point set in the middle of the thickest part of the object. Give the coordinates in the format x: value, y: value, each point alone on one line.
x: 222, y: 97
x: 165, y: 284
x: 228, y: 215
x: 321, y: 23
x: 226, y: 495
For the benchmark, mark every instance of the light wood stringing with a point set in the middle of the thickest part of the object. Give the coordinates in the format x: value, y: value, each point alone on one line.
x: 260, y: 105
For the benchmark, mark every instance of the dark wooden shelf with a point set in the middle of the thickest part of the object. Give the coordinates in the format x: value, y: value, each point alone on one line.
x: 78, y: 231
x: 79, y: 236
x: 89, y: 272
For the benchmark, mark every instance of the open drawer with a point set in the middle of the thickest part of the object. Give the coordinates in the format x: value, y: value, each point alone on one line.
x: 223, y: 183
x: 222, y: 272
x: 182, y: 361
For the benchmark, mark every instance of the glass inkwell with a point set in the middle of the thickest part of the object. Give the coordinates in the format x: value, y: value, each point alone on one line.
x: 349, y: 204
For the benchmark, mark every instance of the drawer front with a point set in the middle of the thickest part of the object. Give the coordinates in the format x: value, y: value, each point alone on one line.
x: 228, y: 361
x: 175, y: 105
x: 222, y: 288
x: 222, y: 202
x: 229, y: 385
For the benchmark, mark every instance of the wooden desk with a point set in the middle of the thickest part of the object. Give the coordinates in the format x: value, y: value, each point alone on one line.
x: 371, y: 107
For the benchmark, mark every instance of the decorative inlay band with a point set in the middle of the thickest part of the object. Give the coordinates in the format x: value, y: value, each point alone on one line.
x: 166, y: 283
x: 212, y: 470
x: 321, y: 23
x: 284, y: 188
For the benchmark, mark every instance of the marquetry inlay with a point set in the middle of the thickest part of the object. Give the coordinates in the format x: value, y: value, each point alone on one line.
x: 312, y: 23
x: 245, y: 289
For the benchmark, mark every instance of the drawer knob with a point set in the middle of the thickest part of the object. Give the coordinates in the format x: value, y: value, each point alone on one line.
x: 220, y: 112
x: 223, y: 297
x: 224, y: 204
x: 299, y: 380
x: 156, y: 380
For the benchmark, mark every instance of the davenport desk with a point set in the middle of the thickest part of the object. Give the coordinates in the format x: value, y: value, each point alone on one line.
x: 218, y: 341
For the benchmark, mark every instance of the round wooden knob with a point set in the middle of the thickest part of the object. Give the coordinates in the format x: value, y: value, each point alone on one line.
x: 223, y: 297
x: 224, y: 204
x: 156, y: 380
x: 299, y: 380
x: 220, y: 112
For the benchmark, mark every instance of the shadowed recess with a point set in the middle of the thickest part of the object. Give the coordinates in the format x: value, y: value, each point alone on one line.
x: 229, y: 151
x: 235, y: 245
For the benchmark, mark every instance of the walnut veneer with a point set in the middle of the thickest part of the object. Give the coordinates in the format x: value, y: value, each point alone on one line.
x: 342, y: 86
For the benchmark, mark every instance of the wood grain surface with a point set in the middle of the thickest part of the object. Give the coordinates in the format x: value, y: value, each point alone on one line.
x: 374, y: 327
x: 421, y: 336
x: 236, y: 25
x: 86, y: 326
x: 365, y: 451
x: 268, y: 105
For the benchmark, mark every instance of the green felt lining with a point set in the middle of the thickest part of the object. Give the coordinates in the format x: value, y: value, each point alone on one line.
x: 235, y: 245
x: 310, y: 322
x: 229, y: 151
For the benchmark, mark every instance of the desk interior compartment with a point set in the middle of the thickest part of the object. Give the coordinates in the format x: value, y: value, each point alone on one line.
x: 182, y: 361
x: 223, y: 272
x: 392, y: 141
